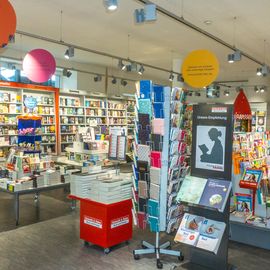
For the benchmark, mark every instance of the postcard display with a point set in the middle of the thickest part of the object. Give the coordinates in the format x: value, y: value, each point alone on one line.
x: 205, y: 193
x: 250, y: 217
x: 156, y: 159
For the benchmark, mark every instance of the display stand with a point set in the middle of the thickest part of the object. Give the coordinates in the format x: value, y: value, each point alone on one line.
x: 161, y: 225
x: 204, y: 259
x: 209, y: 118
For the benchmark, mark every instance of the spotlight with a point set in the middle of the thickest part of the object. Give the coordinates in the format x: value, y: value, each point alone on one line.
x: 262, y: 90
x: 141, y: 70
x: 259, y: 72
x: 69, y: 52
x: 256, y: 89
x: 226, y: 93
x: 66, y: 73
x: 180, y: 78
x: 263, y: 71
x: 123, y: 82
x: 111, y: 5
x: 231, y: 58
x: 236, y: 56
x: 114, y: 81
x: 121, y: 65
x: 98, y: 78
x: 171, y: 77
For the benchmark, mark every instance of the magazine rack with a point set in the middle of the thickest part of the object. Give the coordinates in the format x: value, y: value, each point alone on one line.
x: 205, y: 259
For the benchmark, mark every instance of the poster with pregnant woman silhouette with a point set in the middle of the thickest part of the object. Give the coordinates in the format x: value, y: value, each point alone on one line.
x: 212, y: 141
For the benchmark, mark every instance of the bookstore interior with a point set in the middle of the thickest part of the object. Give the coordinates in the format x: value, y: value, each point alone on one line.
x: 183, y: 158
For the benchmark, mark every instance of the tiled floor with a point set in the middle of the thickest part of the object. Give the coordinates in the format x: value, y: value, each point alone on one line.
x: 53, y: 242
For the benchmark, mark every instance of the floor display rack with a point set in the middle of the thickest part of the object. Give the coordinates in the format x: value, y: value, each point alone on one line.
x: 250, y: 207
x: 205, y: 227
x: 155, y: 162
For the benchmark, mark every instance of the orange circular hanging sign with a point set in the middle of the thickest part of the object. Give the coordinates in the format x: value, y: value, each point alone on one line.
x: 200, y: 68
x: 8, y: 22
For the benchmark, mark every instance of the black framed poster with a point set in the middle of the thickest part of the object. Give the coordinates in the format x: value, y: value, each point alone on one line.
x: 212, y: 135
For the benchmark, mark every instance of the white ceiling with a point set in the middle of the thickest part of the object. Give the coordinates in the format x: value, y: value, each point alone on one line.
x: 86, y: 23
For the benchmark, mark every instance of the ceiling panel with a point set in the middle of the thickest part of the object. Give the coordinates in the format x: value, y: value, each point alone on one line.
x: 86, y: 23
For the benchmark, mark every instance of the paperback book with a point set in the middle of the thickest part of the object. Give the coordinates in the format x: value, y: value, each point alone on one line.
x: 216, y: 193
x: 191, y: 190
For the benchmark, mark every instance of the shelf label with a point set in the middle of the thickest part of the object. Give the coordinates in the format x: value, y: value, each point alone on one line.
x: 119, y: 222
x: 93, y: 222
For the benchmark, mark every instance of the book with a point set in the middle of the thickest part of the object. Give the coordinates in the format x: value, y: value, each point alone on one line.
x: 189, y: 229
x: 216, y: 194
x: 252, y: 175
x: 244, y: 202
x: 211, y: 233
x: 191, y: 190
x: 153, y: 208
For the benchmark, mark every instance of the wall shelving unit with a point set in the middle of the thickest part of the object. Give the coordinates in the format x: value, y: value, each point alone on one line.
x: 72, y: 110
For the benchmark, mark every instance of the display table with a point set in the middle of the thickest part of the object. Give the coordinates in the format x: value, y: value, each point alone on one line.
x: 105, y: 225
x: 35, y: 191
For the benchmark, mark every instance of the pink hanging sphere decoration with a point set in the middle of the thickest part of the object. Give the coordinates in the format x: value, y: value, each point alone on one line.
x: 39, y: 65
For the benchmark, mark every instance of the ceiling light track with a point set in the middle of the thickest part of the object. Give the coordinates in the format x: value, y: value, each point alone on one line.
x: 77, y: 70
x: 198, y: 29
x: 62, y: 43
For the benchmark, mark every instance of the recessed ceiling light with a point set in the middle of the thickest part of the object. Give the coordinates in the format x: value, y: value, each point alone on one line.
x: 208, y: 22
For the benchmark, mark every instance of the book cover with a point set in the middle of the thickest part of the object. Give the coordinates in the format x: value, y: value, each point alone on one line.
x: 191, y: 190
x: 251, y: 175
x: 189, y: 229
x: 243, y: 202
x: 211, y: 233
x: 216, y: 193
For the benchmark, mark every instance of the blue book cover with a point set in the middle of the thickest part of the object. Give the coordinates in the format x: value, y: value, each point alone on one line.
x: 153, y: 208
x: 146, y: 89
x: 216, y: 193
x: 158, y: 93
x: 158, y: 109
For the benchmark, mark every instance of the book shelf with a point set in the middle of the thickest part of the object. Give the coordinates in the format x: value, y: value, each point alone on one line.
x: 72, y: 116
x: 11, y: 106
x: 46, y: 109
x: 74, y: 111
x: 117, y: 113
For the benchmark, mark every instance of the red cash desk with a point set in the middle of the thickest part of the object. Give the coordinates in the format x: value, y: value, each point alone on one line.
x: 105, y: 225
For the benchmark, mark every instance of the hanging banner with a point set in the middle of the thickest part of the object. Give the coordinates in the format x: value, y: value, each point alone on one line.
x: 212, y: 134
x: 200, y: 68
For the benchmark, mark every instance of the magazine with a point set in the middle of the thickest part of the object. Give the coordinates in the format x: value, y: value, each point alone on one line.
x: 189, y: 229
x: 211, y: 234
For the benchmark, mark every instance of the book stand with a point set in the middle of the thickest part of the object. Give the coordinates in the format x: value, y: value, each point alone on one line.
x: 253, y: 187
